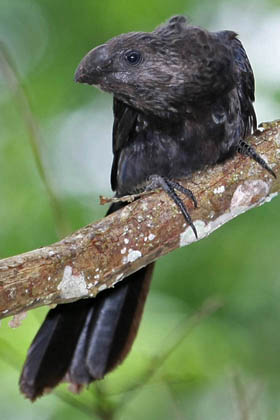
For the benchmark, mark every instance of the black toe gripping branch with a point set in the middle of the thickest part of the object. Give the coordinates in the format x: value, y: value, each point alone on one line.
x: 169, y: 186
x: 248, y: 150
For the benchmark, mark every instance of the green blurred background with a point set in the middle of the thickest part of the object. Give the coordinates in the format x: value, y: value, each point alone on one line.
x: 228, y: 365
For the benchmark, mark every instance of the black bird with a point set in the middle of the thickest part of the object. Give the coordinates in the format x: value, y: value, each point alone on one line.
x: 183, y: 100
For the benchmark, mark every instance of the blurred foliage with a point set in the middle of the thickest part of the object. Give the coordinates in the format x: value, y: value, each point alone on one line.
x: 227, y: 367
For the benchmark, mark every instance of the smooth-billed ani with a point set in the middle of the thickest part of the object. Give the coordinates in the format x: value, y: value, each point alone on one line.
x: 183, y: 100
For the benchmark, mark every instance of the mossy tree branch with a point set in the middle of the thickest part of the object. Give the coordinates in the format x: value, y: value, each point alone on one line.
x: 104, y: 252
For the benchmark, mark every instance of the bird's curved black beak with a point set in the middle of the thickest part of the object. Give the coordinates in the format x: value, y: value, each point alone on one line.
x: 90, y: 69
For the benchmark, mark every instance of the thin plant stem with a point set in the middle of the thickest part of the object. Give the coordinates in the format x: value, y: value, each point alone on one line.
x: 105, y: 409
x: 76, y: 403
x: 22, y: 101
x: 180, y: 332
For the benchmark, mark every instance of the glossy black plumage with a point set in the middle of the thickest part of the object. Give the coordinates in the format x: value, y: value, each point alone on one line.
x: 81, y: 341
x: 183, y: 100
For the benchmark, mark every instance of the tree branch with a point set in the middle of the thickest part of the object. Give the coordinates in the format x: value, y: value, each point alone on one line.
x: 101, y: 254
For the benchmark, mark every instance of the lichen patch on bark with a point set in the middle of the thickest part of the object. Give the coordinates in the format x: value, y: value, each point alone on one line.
x: 72, y: 285
x: 248, y: 193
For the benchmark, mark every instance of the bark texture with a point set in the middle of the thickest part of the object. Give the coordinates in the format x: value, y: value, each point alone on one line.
x: 103, y: 253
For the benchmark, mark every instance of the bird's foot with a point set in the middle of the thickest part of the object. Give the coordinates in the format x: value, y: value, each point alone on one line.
x: 248, y: 150
x: 169, y: 186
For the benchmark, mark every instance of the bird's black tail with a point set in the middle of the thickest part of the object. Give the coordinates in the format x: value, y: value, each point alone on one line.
x: 82, y: 341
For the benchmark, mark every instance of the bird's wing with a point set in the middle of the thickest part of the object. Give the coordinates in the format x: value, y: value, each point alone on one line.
x: 245, y: 85
x: 123, y: 128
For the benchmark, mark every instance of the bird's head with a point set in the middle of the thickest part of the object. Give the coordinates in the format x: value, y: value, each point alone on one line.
x: 161, y: 72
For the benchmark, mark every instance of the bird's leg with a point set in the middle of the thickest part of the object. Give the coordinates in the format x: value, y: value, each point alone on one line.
x: 169, y: 186
x: 247, y: 150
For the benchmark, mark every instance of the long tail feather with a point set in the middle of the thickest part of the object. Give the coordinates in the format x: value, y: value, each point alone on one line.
x: 52, y: 348
x: 84, y: 340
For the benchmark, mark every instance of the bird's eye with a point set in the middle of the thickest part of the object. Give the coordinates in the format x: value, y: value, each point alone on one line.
x: 133, y: 57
